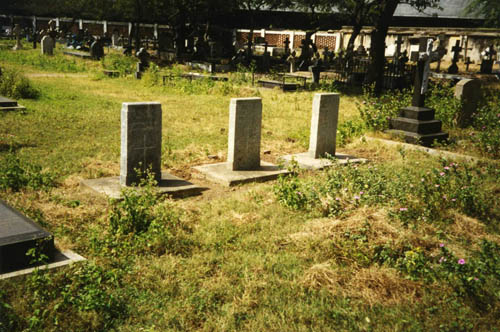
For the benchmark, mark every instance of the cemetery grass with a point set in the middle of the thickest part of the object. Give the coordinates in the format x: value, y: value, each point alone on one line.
x: 281, y: 256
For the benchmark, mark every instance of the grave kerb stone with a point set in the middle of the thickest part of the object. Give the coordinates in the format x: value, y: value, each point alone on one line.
x: 245, y: 120
x: 141, y: 125
x: 325, y: 114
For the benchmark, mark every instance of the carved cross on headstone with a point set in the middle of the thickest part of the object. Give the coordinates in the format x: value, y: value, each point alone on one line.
x: 453, y: 69
x: 426, y: 56
x: 465, y: 43
x: 467, y: 63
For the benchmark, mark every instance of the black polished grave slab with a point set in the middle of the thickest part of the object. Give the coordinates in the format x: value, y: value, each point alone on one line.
x: 18, y: 234
x: 7, y: 104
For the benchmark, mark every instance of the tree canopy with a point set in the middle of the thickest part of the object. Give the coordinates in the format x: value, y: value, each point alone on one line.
x: 489, y: 9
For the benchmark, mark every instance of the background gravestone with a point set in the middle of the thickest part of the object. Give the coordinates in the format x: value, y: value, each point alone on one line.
x: 140, y: 141
x: 468, y: 91
x: 47, y: 45
x: 245, y: 117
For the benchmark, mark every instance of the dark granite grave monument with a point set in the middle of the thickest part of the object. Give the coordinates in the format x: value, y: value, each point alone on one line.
x: 18, y: 235
x: 416, y: 123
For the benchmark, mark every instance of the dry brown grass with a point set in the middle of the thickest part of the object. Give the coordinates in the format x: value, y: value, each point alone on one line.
x: 381, y: 230
x: 374, y: 285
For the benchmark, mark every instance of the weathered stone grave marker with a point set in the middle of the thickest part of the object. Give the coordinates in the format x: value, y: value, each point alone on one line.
x: 416, y: 123
x: 243, y: 161
x: 141, y: 128
x: 47, y: 45
x: 468, y: 91
x: 140, y: 141
x: 323, y: 137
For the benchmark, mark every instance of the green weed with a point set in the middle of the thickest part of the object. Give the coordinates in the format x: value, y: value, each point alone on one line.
x: 16, y: 175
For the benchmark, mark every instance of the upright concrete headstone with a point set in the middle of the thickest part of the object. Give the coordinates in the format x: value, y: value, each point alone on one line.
x: 469, y: 93
x: 243, y: 159
x: 323, y: 137
x: 245, y: 119
x: 140, y: 141
x: 47, y: 45
x: 325, y: 115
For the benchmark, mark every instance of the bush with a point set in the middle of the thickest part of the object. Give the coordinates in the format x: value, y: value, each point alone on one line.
x: 152, y: 76
x: 14, y: 85
x: 442, y: 99
x: 487, y: 124
x: 376, y: 111
x: 124, y: 64
x: 141, y: 222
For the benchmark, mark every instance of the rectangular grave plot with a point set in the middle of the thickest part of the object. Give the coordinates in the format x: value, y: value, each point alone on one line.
x: 18, y: 235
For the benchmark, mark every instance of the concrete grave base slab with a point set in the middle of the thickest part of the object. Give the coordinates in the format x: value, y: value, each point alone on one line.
x: 222, y: 174
x: 305, y: 161
x: 169, y: 185
x: 60, y: 259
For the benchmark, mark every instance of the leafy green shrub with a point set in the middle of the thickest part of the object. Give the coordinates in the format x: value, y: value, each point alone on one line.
x: 348, y: 130
x: 124, y: 64
x: 14, y: 85
x: 141, y: 222
x: 15, y: 175
x: 487, y: 124
x: 134, y: 213
x: 290, y: 190
x: 442, y: 99
x: 376, y: 111
x: 152, y: 76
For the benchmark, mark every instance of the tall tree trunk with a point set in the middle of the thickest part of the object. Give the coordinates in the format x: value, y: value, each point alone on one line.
x: 377, y: 45
x: 356, y: 29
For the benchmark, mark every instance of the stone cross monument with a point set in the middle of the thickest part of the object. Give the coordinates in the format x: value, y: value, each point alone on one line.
x: 417, y: 123
x: 453, y: 69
